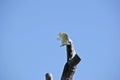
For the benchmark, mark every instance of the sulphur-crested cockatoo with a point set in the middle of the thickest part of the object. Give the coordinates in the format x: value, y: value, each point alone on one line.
x: 65, y: 40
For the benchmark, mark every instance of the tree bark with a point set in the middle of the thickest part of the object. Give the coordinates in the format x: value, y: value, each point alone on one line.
x: 69, y: 69
x: 48, y: 76
x: 72, y: 60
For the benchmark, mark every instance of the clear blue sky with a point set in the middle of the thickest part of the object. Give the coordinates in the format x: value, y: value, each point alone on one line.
x: 28, y: 45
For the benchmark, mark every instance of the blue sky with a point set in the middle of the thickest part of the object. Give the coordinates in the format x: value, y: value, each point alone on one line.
x: 28, y: 32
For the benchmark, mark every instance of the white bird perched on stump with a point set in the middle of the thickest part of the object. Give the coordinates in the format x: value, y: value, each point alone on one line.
x: 65, y: 40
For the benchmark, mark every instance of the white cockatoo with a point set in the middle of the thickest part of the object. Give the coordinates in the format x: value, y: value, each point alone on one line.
x: 65, y: 40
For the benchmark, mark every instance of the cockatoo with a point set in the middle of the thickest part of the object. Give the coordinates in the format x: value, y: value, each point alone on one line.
x: 65, y: 40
